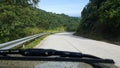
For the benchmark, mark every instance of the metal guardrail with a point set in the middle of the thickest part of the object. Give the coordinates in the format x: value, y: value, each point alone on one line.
x: 11, y: 44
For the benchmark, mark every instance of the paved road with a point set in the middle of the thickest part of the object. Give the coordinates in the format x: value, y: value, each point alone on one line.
x: 68, y: 42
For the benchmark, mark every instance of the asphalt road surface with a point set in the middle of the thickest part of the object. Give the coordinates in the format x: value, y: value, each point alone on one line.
x: 68, y: 42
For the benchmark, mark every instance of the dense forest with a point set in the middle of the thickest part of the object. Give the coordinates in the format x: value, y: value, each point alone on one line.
x: 101, y: 19
x: 20, y: 18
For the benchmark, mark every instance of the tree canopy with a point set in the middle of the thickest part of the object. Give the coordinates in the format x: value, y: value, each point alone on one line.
x: 18, y: 20
x: 20, y: 2
x: 101, y: 18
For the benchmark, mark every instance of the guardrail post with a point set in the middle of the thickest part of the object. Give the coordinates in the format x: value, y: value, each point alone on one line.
x: 23, y: 46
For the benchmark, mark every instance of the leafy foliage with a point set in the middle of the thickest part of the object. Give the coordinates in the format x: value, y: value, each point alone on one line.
x: 101, y: 18
x: 18, y: 20
x: 20, y: 2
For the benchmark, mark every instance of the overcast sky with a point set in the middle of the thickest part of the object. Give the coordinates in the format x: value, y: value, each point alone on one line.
x: 68, y: 7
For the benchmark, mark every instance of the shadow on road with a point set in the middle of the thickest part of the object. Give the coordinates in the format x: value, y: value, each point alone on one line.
x: 70, y: 34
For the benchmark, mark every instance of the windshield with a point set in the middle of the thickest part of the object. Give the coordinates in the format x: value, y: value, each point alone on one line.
x: 59, y: 34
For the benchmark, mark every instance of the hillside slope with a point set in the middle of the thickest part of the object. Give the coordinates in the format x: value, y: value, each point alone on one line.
x: 18, y: 21
x: 101, y: 20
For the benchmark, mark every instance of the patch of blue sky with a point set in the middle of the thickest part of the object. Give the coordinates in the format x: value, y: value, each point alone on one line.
x: 68, y: 7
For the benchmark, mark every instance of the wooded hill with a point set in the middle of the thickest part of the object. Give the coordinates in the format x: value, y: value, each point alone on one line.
x: 101, y: 19
x: 20, y: 19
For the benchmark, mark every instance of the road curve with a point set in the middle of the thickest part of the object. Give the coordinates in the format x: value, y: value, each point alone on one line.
x: 68, y: 42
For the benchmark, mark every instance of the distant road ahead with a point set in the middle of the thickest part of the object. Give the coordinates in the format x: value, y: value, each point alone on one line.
x: 68, y: 42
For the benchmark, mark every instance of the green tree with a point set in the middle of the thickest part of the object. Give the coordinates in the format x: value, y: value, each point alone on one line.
x: 17, y: 21
x: 21, y: 2
x: 101, y: 18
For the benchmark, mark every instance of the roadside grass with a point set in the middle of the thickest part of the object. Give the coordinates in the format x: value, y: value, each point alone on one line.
x: 33, y: 43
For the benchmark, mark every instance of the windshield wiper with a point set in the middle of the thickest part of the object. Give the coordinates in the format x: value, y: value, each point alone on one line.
x: 50, y: 55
